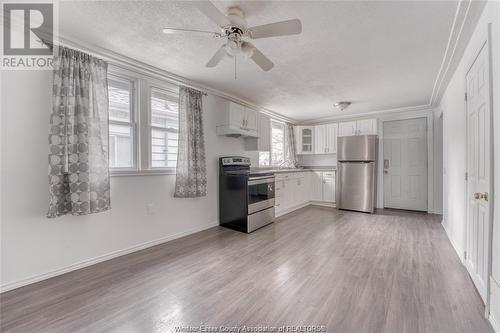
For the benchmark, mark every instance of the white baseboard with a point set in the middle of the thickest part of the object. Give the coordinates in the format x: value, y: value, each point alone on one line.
x: 453, y: 244
x: 93, y: 261
x: 494, y: 316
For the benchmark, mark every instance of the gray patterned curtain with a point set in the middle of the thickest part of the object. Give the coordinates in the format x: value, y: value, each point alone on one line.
x: 191, y: 174
x: 290, y: 151
x: 78, y: 138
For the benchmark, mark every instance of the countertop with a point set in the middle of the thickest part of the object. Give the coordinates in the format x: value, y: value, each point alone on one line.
x: 288, y: 170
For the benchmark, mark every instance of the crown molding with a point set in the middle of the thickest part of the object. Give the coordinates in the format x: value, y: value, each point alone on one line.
x: 369, y: 114
x: 130, y: 64
x: 466, y: 16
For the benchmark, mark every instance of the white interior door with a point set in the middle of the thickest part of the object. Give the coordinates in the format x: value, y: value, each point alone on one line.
x: 478, y: 171
x: 405, y: 164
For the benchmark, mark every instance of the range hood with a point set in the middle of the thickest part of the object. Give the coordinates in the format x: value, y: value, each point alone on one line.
x: 236, y: 131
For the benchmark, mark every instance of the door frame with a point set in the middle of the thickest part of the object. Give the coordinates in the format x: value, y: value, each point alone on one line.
x: 483, y: 41
x: 429, y: 115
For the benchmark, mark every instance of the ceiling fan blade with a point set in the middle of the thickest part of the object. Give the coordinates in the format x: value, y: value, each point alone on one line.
x: 258, y: 57
x: 209, y: 9
x: 180, y: 30
x: 217, y: 57
x: 284, y: 28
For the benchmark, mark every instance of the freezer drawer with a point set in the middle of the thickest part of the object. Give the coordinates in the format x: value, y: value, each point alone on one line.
x: 356, y: 186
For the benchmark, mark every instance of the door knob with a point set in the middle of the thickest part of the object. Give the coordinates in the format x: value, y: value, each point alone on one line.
x: 479, y: 196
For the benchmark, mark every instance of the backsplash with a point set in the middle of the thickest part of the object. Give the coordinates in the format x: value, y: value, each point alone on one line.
x: 317, y: 160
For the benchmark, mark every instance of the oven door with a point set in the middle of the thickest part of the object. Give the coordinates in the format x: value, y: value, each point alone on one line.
x: 260, y: 193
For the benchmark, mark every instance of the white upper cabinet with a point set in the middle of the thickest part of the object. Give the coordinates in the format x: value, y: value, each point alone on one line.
x: 366, y: 126
x: 263, y: 142
x: 237, y: 120
x: 347, y: 128
x: 325, y: 139
x: 358, y: 127
x: 304, y: 137
x: 332, y: 132
x: 236, y: 114
x: 320, y: 139
x: 251, y: 120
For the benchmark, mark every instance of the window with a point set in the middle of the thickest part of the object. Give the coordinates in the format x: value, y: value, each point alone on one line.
x: 121, y: 123
x: 277, y: 143
x: 264, y: 158
x: 143, y: 123
x: 164, y: 128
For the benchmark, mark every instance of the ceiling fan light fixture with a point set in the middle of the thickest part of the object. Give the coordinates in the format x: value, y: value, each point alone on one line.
x: 247, y: 50
x: 342, y: 105
x: 233, y: 47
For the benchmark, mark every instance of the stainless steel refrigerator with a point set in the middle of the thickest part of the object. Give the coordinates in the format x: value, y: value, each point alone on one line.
x: 356, y: 173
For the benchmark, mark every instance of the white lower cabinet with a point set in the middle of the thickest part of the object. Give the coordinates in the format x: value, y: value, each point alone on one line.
x: 316, y: 186
x: 328, y: 186
x: 297, y: 189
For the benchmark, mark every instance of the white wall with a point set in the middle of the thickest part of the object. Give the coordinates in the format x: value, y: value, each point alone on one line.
x: 453, y: 106
x: 438, y: 161
x: 32, y: 245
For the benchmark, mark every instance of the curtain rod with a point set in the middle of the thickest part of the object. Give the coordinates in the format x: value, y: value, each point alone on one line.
x: 52, y: 45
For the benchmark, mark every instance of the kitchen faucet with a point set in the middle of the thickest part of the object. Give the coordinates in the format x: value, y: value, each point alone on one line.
x: 280, y: 166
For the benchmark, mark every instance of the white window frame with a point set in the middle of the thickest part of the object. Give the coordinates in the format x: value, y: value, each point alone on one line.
x: 141, y: 110
x: 281, y: 124
x: 168, y: 89
x: 133, y: 82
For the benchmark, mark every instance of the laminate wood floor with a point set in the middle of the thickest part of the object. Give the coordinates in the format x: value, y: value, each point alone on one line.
x: 391, y: 272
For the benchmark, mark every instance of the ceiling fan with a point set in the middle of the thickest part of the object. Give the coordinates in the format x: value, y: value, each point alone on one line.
x: 234, y: 30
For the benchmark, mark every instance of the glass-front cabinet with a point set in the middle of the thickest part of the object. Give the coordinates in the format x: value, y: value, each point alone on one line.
x: 305, y: 139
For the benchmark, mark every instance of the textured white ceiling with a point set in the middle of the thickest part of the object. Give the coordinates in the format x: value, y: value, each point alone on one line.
x: 379, y: 55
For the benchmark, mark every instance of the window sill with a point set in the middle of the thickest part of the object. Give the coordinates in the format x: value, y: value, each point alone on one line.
x: 132, y: 173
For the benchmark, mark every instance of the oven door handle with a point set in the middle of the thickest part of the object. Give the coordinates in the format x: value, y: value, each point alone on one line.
x: 260, y: 180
